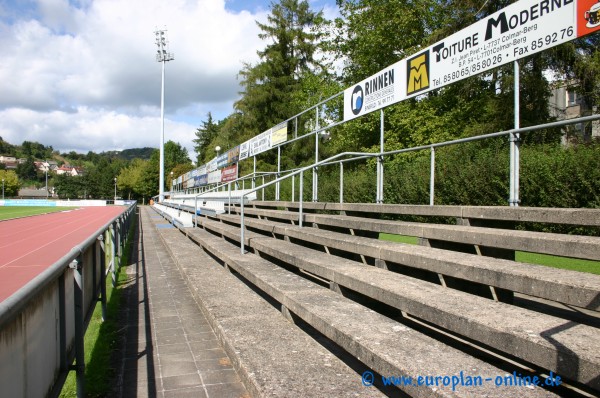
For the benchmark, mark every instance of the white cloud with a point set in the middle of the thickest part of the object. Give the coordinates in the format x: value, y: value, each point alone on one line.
x: 85, y: 77
x: 82, y: 75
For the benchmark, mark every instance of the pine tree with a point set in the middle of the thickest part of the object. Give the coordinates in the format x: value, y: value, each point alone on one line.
x: 293, y: 31
x: 204, y: 136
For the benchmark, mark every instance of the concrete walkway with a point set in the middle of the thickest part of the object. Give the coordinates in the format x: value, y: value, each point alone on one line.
x: 170, y: 349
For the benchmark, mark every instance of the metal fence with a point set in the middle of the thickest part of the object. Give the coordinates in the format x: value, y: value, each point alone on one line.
x: 42, y: 325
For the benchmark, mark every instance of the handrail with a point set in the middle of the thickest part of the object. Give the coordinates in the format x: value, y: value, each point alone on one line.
x: 366, y: 155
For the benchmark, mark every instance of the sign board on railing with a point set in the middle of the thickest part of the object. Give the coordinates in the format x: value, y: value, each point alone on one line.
x: 521, y: 29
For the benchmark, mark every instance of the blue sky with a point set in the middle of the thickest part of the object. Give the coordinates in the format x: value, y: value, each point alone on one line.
x: 81, y: 74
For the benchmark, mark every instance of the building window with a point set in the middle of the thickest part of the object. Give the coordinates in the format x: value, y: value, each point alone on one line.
x: 573, y: 98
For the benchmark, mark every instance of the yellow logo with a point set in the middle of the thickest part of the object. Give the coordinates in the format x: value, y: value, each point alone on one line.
x: 418, y: 73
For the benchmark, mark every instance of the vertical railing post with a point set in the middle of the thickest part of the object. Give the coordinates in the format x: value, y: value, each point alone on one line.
x: 278, y: 173
x: 113, y: 257
x: 242, y: 226
x: 432, y: 177
x: 76, y: 266
x: 263, y: 190
x: 341, y: 182
x: 379, y: 196
x: 293, y: 187
x: 196, y: 211
x: 514, y: 139
x: 62, y: 308
x: 315, y: 170
x: 300, y: 217
x: 254, y: 173
x: 229, y: 202
x: 102, y: 259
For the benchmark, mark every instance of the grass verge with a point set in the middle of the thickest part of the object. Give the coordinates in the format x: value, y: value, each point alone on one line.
x: 8, y: 212
x: 572, y: 264
x: 101, y: 337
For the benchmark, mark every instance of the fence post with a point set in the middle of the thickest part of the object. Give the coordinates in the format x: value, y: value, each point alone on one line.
x: 278, y: 173
x: 341, y: 182
x: 242, y: 225
x: 76, y: 266
x: 315, y: 182
x: 432, y: 177
x: 293, y: 187
x: 514, y: 139
x: 102, y: 275
x: 301, y: 198
x: 379, y: 196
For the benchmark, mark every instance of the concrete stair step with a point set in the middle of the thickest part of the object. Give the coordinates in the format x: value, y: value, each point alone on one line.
x: 569, y: 287
x: 565, y: 347
x: 576, y: 246
x: 384, y: 345
x: 272, y: 355
x: 545, y: 215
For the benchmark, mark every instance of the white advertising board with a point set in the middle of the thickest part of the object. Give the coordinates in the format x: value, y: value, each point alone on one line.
x: 260, y: 143
x: 521, y: 29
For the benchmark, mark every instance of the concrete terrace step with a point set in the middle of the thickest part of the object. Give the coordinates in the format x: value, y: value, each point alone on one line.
x: 567, y: 216
x: 384, y: 345
x: 567, y: 348
x: 569, y: 287
x: 585, y: 247
x: 272, y: 356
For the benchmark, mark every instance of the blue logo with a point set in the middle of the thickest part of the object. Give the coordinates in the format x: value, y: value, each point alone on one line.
x: 357, y: 100
x: 368, y: 378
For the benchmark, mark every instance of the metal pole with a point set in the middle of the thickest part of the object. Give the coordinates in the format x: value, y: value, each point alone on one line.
x: 263, y: 190
x: 514, y: 137
x: 254, y: 173
x: 47, y: 184
x: 242, y: 226
x: 379, y: 198
x: 301, y: 199
x: 229, y: 202
x: 341, y: 182
x: 102, y: 276
x: 278, y: 172
x: 161, y: 177
x: 315, y: 190
x: 79, y: 327
x: 293, y: 187
x: 432, y: 177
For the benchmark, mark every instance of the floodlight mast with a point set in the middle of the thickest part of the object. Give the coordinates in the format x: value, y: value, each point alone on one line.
x: 163, y: 55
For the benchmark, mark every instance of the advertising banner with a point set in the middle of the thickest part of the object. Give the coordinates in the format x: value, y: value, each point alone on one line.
x: 212, y: 165
x: 521, y: 29
x: 233, y: 155
x: 214, y: 177
x: 222, y: 160
x: 260, y: 143
x: 279, y: 134
x: 244, y: 150
x: 229, y: 173
x: 200, y: 181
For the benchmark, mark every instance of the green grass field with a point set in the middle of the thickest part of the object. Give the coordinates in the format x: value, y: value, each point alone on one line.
x: 8, y: 212
x: 524, y: 257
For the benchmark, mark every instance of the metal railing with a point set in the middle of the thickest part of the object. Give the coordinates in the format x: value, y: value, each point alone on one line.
x: 42, y: 325
x: 354, y: 156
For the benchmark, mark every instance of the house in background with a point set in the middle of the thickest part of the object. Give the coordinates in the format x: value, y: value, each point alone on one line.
x: 566, y: 103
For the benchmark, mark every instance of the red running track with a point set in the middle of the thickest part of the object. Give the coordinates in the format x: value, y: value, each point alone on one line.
x: 30, y: 245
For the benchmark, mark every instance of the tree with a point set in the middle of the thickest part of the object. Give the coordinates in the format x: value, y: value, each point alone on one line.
x: 27, y: 170
x: 293, y: 31
x: 11, y: 182
x: 205, y: 135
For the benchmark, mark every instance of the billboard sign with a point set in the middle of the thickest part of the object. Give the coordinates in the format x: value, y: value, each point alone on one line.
x: 521, y: 29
